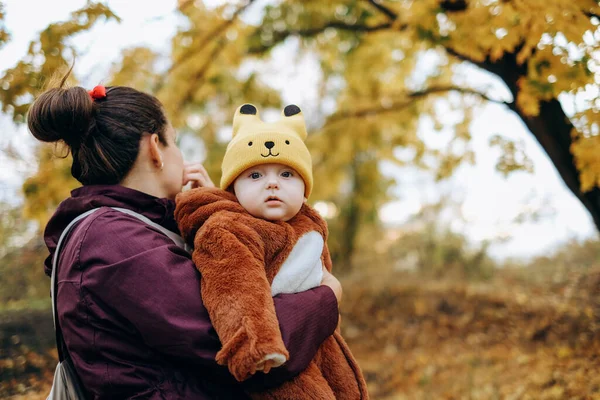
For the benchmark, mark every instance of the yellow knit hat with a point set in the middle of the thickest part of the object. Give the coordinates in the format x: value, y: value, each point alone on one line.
x: 256, y: 142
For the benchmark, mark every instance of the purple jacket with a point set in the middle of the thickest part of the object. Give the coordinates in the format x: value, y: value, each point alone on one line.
x: 131, y: 312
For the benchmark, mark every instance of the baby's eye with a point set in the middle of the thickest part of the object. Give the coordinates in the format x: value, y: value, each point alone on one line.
x: 287, y: 174
x: 255, y: 175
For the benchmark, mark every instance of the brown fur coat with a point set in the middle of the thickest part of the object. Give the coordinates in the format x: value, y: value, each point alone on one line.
x: 238, y: 256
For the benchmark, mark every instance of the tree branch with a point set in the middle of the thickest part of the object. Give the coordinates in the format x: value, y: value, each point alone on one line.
x: 453, y: 5
x: 366, y: 112
x: 197, y: 80
x: 441, y: 89
x: 591, y: 14
x: 389, y: 13
x: 280, y: 37
x: 208, y: 38
x: 344, y: 27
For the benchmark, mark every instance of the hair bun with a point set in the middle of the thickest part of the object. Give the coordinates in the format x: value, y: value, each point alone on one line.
x: 61, y: 114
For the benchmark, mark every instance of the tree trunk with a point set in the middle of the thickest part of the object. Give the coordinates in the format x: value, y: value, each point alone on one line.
x: 350, y: 221
x: 552, y: 129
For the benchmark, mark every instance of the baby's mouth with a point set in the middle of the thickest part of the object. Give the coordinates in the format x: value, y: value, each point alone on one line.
x: 273, y: 199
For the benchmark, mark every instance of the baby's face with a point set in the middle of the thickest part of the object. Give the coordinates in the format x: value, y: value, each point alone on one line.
x: 274, y: 192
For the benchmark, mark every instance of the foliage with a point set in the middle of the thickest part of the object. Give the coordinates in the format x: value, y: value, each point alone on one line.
x: 428, y: 248
x: 569, y: 262
x: 540, y: 49
x: 416, y: 339
x: 51, y: 184
x: 202, y: 86
x: 586, y: 155
x: 4, y: 35
x: 21, y: 265
x: 11, y: 226
x: 27, y: 354
x: 386, y: 68
x: 46, y: 56
x: 368, y: 79
x: 441, y: 253
x: 513, y: 156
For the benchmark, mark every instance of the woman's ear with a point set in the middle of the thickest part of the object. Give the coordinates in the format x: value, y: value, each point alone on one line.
x: 155, y: 154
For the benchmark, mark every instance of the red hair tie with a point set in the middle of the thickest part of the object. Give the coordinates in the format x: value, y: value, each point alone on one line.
x: 99, y: 92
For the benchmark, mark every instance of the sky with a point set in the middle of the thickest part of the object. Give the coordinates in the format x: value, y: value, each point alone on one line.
x: 488, y: 203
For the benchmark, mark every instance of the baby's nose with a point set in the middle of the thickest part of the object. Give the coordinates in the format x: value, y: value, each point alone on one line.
x: 269, y: 145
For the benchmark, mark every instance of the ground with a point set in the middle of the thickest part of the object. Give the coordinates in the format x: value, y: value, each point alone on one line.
x: 417, y: 339
x: 498, y: 340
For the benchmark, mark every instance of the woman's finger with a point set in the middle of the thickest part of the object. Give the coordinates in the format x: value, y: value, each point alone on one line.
x: 197, y: 174
x: 197, y: 180
x: 195, y: 167
x: 331, y: 281
x: 204, y: 172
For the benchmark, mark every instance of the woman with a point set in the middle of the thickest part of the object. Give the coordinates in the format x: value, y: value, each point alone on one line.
x: 129, y: 301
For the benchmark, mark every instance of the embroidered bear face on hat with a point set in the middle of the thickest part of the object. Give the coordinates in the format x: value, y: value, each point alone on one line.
x: 256, y: 142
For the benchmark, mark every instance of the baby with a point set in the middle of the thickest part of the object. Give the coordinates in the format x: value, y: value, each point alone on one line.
x: 255, y: 238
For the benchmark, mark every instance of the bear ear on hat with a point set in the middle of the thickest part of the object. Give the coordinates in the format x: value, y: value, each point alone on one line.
x: 246, y: 113
x: 248, y: 109
x: 292, y: 116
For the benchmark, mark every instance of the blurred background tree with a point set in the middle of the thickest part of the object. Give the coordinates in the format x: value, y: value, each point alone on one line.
x: 539, y: 49
x: 385, y: 65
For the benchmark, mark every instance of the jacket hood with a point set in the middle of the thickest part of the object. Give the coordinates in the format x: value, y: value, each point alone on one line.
x: 194, y: 207
x: 87, y: 197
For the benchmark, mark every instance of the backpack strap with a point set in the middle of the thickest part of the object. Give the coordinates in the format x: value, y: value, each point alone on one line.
x: 178, y: 240
x: 61, y: 346
x: 55, y: 267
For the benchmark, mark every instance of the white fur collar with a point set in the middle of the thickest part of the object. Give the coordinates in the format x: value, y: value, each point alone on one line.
x: 302, y: 270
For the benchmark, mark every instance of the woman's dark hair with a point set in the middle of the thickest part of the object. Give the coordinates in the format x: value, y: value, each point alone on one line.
x: 103, y: 134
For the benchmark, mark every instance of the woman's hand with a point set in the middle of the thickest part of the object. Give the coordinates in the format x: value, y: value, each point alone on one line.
x: 197, y: 175
x: 333, y: 283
